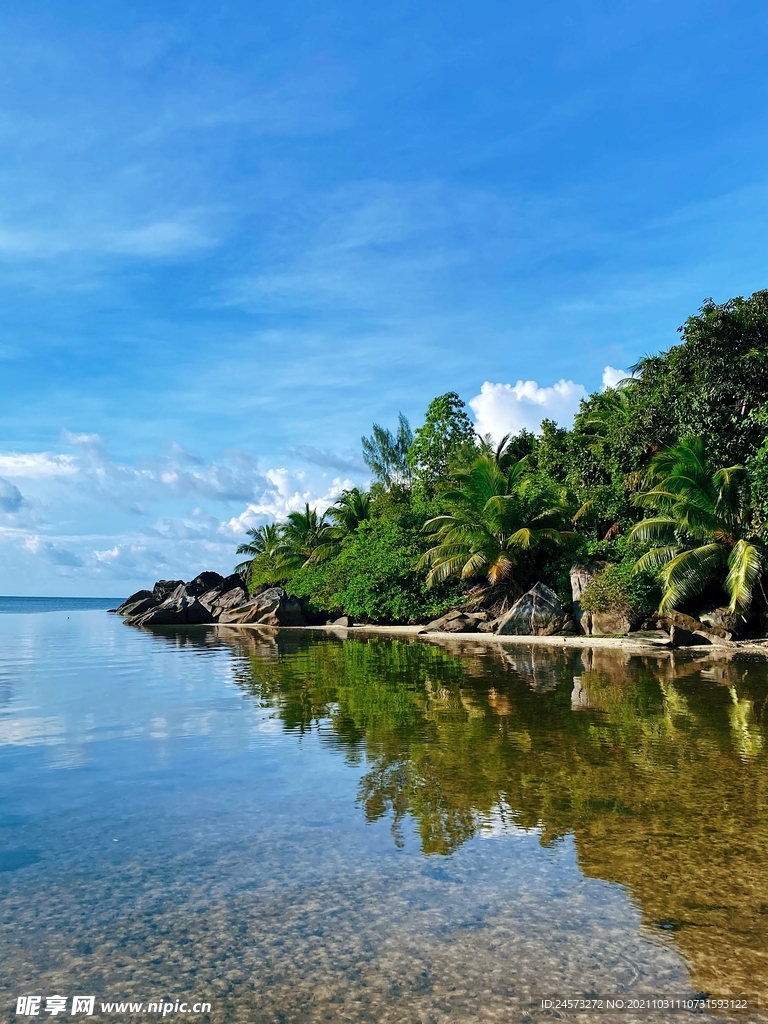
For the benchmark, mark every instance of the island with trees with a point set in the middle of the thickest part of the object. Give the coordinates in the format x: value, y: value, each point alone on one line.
x: 650, y: 512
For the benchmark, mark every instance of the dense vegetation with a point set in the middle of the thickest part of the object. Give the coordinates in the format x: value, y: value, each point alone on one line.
x: 661, y: 482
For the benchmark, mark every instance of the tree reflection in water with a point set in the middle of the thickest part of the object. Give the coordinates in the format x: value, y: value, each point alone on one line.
x: 656, y: 766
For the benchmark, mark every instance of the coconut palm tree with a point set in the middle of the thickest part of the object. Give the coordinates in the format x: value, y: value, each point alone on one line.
x: 350, y: 509
x: 701, y: 531
x: 493, y: 517
x: 265, y: 540
x: 301, y: 536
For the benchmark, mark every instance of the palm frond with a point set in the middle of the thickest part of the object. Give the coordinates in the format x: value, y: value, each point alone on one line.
x: 745, y: 567
x: 689, y: 573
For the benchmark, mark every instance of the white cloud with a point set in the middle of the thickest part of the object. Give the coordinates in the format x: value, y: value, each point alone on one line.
x: 507, y: 408
x: 612, y: 376
x: 286, y: 495
x: 36, y: 465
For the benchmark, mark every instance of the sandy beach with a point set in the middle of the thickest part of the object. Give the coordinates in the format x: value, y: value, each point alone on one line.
x: 632, y: 644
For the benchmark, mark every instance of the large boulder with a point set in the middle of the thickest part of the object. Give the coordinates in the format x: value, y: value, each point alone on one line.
x: 164, y: 588
x: 227, y: 594
x: 179, y: 608
x: 272, y: 607
x: 713, y: 633
x: 616, y: 622
x: 537, y: 613
x: 140, y: 595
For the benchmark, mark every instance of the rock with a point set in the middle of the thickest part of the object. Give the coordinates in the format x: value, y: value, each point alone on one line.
x: 273, y: 607
x: 440, y: 623
x: 537, y: 613
x: 217, y: 602
x: 179, y: 608
x: 581, y: 574
x: 683, y: 621
x: 343, y: 620
x: 616, y: 623
x: 716, y: 619
x: 164, y: 588
x: 137, y: 608
x: 140, y: 595
x: 681, y: 637
x: 489, y: 626
x: 205, y: 581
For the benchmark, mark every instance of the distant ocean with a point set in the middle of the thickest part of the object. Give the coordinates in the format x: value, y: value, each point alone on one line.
x: 58, y: 604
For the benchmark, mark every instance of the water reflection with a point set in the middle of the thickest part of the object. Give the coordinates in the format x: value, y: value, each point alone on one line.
x: 656, y: 767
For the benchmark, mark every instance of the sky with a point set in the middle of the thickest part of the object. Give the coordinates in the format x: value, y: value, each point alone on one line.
x: 234, y: 235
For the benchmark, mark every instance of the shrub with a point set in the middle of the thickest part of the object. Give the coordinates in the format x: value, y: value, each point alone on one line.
x: 617, y: 588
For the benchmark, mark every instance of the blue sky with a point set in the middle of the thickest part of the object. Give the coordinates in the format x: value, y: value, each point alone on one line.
x: 234, y: 235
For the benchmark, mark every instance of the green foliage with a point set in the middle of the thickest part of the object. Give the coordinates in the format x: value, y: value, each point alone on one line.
x: 374, y: 577
x: 701, y: 529
x: 492, y: 518
x: 619, y: 588
x: 446, y: 439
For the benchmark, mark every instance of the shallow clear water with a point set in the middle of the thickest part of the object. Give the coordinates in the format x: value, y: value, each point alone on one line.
x: 298, y: 828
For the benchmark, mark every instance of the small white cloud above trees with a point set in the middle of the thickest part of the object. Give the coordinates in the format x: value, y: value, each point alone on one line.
x: 612, y: 376
x: 508, y: 408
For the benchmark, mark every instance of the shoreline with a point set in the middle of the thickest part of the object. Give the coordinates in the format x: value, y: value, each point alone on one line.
x: 630, y: 644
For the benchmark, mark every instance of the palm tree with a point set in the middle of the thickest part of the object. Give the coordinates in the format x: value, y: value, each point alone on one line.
x: 349, y: 510
x: 701, y: 531
x: 301, y: 535
x: 494, y: 517
x: 265, y: 540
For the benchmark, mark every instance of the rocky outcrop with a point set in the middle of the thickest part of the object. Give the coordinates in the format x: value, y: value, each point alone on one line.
x: 456, y: 621
x: 272, y: 607
x: 686, y: 631
x: 537, y: 613
x: 210, y: 597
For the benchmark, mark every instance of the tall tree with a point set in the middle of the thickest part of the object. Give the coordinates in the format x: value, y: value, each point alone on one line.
x: 445, y: 441
x: 386, y: 454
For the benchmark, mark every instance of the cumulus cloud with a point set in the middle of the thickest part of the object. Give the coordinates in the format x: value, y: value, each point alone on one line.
x: 51, y: 552
x: 36, y: 465
x: 289, y: 492
x: 612, y: 376
x: 507, y: 408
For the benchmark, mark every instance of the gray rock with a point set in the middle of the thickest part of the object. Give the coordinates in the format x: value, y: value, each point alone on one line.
x: 716, y: 619
x: 616, y: 623
x: 343, y: 620
x: 219, y: 601
x: 441, y: 622
x: 164, y: 588
x: 537, y: 613
x: 137, y: 608
x: 273, y: 607
x: 683, y: 621
x: 178, y: 609
x: 140, y: 595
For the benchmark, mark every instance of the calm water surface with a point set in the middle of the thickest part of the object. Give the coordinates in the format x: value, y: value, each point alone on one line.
x: 309, y: 829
